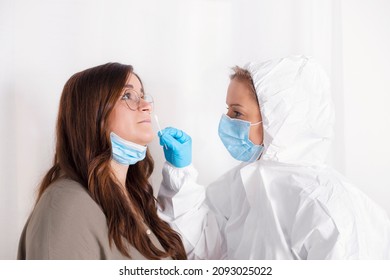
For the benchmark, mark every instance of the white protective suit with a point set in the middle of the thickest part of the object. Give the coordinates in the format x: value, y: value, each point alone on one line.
x: 288, y: 204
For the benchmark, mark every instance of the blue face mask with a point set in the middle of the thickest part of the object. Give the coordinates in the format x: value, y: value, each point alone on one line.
x: 234, y: 134
x: 126, y: 152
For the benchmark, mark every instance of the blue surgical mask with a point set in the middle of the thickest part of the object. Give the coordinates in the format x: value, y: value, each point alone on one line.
x: 234, y: 134
x: 126, y: 152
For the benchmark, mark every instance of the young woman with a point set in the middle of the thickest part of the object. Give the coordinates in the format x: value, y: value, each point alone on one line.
x: 282, y: 201
x: 95, y: 202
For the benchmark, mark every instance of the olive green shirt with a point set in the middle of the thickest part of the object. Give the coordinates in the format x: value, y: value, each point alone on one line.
x: 68, y: 224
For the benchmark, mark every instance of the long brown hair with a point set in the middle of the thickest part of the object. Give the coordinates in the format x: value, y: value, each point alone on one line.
x: 83, y: 153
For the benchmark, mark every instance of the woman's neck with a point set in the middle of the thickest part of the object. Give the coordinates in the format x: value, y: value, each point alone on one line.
x: 120, y: 172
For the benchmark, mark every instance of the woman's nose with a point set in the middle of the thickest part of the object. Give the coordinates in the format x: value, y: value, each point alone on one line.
x: 145, y: 105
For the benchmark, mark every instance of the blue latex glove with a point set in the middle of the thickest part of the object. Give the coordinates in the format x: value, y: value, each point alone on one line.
x: 177, y: 146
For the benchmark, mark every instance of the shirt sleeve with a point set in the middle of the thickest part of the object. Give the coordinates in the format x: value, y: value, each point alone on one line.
x: 183, y: 205
x: 315, y: 235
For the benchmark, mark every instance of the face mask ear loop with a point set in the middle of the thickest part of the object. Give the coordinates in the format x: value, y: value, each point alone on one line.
x: 252, y: 124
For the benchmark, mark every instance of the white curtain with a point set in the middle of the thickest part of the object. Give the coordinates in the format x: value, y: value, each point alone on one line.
x: 183, y: 51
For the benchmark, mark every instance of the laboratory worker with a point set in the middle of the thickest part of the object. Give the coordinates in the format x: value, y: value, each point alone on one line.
x: 282, y: 201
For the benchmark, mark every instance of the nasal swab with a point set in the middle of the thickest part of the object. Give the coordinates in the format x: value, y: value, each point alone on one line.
x: 159, y: 128
x: 158, y: 123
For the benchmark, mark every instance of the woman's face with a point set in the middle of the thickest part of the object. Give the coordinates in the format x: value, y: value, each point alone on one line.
x: 132, y: 124
x: 242, y: 105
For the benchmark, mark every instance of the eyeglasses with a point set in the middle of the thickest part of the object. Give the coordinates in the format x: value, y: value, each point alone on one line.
x: 133, y: 99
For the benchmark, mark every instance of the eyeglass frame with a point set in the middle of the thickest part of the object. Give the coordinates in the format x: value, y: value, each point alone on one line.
x: 138, y: 96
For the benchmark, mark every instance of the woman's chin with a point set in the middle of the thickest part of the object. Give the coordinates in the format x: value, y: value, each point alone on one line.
x: 146, y: 139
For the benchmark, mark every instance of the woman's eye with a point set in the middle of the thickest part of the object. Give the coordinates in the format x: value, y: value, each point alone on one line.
x: 237, y: 114
x: 126, y: 96
x: 233, y: 113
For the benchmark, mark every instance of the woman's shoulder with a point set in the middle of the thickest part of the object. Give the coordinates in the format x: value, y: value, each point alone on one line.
x: 330, y: 193
x: 66, y: 223
x: 66, y: 186
x: 229, y: 176
x: 66, y: 198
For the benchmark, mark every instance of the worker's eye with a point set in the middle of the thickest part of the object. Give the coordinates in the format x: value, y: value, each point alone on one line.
x: 237, y: 114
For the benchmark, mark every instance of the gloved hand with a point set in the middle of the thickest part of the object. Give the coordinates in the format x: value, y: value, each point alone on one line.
x: 177, y: 146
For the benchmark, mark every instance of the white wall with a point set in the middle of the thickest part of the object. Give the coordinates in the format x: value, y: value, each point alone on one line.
x: 183, y: 51
x: 366, y: 61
